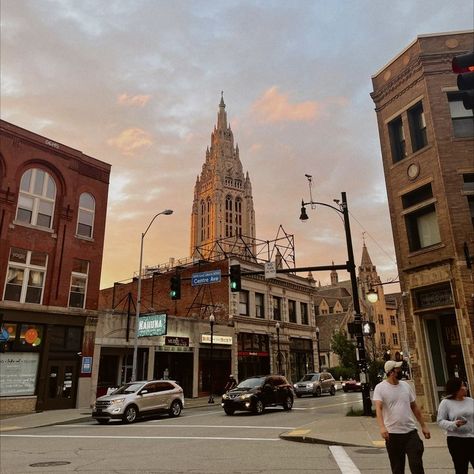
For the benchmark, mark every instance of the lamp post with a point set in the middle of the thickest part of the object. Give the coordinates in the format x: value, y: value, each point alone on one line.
x: 350, y: 266
x: 319, y: 350
x: 212, y: 320
x: 166, y: 212
x: 277, y: 327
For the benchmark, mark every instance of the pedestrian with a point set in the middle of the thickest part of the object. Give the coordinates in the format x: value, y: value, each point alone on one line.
x: 231, y: 383
x: 166, y: 374
x: 456, y: 416
x: 395, y: 406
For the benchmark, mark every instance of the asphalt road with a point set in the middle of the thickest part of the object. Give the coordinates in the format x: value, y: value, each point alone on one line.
x: 202, y: 440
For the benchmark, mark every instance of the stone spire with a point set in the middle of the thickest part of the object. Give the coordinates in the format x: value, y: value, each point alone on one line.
x: 366, y: 262
x: 334, y: 277
x: 222, y: 114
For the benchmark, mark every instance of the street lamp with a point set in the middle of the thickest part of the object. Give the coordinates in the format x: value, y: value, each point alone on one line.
x: 372, y: 295
x: 166, y: 212
x: 319, y: 350
x: 277, y: 327
x: 350, y: 266
x: 212, y: 320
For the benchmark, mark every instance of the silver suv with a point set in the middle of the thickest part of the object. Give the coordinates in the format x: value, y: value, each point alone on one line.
x: 315, y: 384
x: 139, y: 398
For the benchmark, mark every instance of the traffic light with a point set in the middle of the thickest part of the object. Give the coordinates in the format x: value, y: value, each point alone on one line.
x: 235, y: 278
x: 464, y: 66
x: 368, y: 328
x: 175, y: 287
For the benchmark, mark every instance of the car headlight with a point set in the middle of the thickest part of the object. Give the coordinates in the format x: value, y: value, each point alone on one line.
x: 295, y: 385
x: 117, y: 401
x: 309, y: 385
x: 225, y: 396
x: 246, y: 396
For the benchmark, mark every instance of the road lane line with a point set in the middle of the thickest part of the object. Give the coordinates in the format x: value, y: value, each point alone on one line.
x: 213, y: 438
x: 143, y: 425
x: 345, y: 463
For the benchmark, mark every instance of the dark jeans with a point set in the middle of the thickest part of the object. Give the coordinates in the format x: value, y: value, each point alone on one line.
x: 462, y: 452
x: 409, y: 444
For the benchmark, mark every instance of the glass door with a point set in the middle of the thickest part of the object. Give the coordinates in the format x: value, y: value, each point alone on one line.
x: 61, y: 385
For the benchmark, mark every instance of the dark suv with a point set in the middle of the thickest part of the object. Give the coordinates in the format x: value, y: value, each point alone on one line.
x: 256, y: 393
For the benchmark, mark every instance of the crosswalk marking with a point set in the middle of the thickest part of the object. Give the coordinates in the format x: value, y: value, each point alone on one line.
x: 345, y: 463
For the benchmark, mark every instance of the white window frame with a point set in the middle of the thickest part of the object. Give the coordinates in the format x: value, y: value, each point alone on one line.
x: 83, y: 276
x: 88, y: 212
x: 26, y: 268
x: 37, y: 199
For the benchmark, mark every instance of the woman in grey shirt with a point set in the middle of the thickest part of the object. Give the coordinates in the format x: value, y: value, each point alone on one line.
x: 456, y: 416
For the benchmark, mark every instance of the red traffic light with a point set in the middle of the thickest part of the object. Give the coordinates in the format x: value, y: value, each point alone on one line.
x: 463, y: 63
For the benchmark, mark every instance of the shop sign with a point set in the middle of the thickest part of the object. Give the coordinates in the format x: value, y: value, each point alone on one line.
x: 177, y: 341
x: 86, y: 367
x: 225, y: 340
x: 433, y: 297
x: 250, y: 353
x: 152, y: 325
x: 18, y: 373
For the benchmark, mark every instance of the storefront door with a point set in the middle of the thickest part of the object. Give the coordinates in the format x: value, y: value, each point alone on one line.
x: 61, y: 385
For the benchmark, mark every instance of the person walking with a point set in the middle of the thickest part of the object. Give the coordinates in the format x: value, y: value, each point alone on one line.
x: 456, y: 416
x: 395, y: 406
x: 231, y: 383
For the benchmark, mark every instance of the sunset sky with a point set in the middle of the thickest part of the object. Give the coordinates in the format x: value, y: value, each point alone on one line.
x: 137, y: 84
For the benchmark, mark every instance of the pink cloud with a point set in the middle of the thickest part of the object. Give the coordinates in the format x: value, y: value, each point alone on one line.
x: 133, y: 100
x: 274, y: 106
x: 130, y: 140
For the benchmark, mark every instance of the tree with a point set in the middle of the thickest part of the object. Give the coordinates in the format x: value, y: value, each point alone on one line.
x: 345, y: 349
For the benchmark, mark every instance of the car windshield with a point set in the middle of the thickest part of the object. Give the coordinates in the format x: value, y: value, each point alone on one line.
x: 128, y: 388
x: 253, y: 382
x: 310, y: 378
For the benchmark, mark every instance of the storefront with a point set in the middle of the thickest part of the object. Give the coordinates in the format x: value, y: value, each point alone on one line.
x: 253, y: 354
x: 301, y: 357
x: 41, y: 366
x: 215, y: 366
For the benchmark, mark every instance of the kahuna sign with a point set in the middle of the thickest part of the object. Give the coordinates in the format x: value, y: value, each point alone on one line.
x: 152, y: 325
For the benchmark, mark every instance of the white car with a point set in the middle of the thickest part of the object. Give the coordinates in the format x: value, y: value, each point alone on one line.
x: 136, y: 399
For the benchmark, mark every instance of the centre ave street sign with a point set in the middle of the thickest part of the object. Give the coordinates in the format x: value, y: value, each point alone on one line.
x: 204, y: 278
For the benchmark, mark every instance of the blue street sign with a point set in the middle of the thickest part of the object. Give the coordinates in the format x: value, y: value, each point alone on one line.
x: 204, y: 278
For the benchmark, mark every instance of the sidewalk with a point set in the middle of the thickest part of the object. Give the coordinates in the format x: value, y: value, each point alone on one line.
x: 338, y: 430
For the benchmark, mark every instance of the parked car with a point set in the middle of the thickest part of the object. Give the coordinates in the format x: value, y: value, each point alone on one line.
x: 256, y: 393
x: 138, y: 399
x: 315, y: 384
x: 351, y: 386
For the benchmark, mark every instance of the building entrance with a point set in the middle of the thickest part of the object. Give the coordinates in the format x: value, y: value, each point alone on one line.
x: 444, y: 346
x: 61, y: 385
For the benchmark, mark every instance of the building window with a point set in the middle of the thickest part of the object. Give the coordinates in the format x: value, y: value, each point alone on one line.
x: 397, y: 139
x: 462, y: 119
x: 203, y: 220
x: 470, y: 201
x: 259, y: 305
x: 417, y: 123
x: 85, y: 218
x: 36, y: 198
x: 276, y: 308
x: 244, y: 302
x: 395, y: 339
x: 392, y: 320
x: 25, y: 278
x: 421, y: 222
x: 292, y: 311
x: 383, y: 339
x: 304, y: 313
x: 238, y: 217
x: 380, y: 316
x: 208, y: 218
x: 77, y: 293
x: 228, y: 216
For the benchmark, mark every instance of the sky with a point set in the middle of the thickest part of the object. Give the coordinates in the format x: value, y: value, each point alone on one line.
x: 137, y: 83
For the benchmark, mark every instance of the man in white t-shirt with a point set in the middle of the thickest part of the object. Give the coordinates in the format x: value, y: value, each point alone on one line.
x: 395, y: 406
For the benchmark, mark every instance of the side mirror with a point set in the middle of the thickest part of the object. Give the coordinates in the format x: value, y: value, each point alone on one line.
x: 267, y: 386
x: 142, y: 392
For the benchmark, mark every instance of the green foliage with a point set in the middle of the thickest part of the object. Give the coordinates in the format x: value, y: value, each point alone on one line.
x: 344, y: 372
x: 345, y: 349
x: 375, y: 367
x: 358, y: 412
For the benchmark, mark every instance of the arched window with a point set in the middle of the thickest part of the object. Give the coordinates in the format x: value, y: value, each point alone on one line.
x: 36, y: 199
x: 203, y: 220
x: 85, y: 217
x: 238, y: 217
x: 228, y: 216
x: 208, y: 221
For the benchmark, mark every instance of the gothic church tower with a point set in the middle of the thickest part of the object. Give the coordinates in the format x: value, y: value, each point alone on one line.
x: 223, y: 203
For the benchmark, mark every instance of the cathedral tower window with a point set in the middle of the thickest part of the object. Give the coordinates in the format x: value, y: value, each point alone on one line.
x: 228, y: 216
x: 238, y: 217
x: 203, y: 220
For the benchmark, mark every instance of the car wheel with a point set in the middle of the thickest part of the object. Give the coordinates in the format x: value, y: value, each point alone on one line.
x: 317, y: 393
x: 175, y: 409
x: 102, y: 421
x: 345, y: 390
x: 333, y: 390
x: 299, y: 395
x: 259, y: 407
x: 288, y: 403
x: 130, y: 414
x: 229, y: 411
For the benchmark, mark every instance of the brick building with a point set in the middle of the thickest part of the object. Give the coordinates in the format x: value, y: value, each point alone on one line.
x: 427, y: 142
x: 53, y: 202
